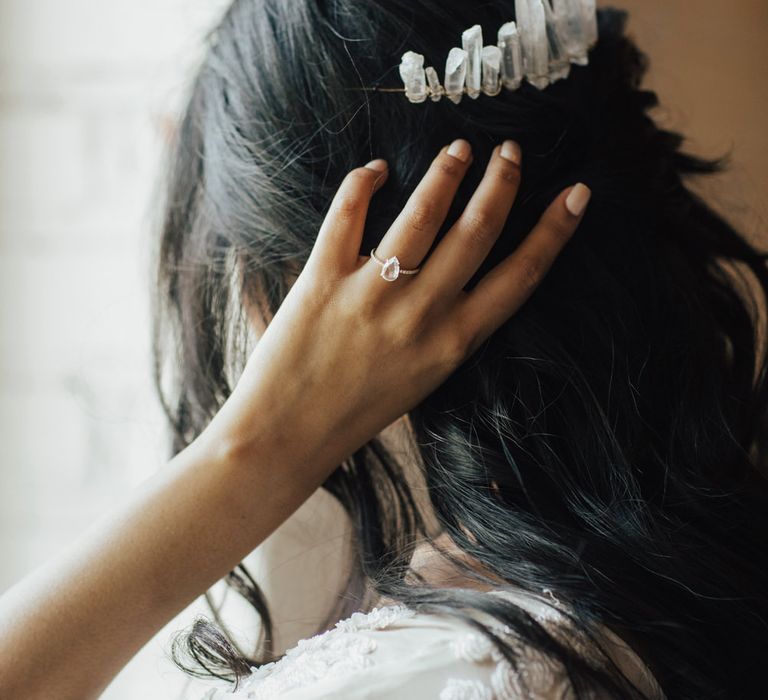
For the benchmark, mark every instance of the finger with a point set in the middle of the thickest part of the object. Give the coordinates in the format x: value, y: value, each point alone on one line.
x: 340, y: 237
x: 453, y: 263
x: 508, y: 286
x: 413, y: 232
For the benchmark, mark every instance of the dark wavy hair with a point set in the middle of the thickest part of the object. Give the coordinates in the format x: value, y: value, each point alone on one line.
x: 607, y: 442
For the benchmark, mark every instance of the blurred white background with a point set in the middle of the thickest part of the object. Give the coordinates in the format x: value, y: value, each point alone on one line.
x: 88, y: 90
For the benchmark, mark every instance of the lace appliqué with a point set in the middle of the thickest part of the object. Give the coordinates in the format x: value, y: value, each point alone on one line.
x: 537, y: 677
x: 377, y: 619
x: 334, y: 653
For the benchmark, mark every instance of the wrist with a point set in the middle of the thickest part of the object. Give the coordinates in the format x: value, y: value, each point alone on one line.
x: 278, y: 450
x: 280, y: 425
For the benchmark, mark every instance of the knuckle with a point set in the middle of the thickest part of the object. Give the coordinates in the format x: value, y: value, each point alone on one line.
x: 507, y: 172
x: 412, y: 321
x: 560, y: 228
x: 480, y: 228
x: 354, y: 191
x: 445, y: 165
x: 401, y: 334
x: 346, y: 206
x: 455, y: 348
x: 421, y: 216
x: 367, y: 303
x: 531, y: 270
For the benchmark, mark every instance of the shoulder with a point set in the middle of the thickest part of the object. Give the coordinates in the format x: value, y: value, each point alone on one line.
x: 395, y: 652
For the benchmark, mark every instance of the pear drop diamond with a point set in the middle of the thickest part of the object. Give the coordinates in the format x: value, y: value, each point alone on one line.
x: 391, y: 269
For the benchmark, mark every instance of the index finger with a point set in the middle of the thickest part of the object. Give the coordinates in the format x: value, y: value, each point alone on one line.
x: 338, y: 241
x: 510, y: 284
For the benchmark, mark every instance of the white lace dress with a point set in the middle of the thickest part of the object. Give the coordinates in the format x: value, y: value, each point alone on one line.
x: 395, y: 653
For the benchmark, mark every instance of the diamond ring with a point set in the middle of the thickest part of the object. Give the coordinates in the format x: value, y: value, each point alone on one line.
x: 390, y: 268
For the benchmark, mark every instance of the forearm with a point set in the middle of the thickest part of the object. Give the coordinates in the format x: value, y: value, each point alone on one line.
x: 85, y: 614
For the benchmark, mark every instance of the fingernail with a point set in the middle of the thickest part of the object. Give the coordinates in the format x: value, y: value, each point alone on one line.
x: 510, y: 150
x: 379, y: 165
x: 460, y: 149
x: 576, y: 202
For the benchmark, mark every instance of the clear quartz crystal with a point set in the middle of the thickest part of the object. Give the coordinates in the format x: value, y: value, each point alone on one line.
x: 532, y: 24
x: 559, y: 65
x: 491, y: 70
x: 455, y: 74
x: 436, y: 90
x: 414, y: 79
x: 570, y: 16
x: 472, y: 43
x: 511, y: 56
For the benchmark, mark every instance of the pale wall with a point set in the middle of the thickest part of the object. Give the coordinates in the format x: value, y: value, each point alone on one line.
x: 86, y: 88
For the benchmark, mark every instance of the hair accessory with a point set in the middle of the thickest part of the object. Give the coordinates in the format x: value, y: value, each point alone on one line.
x: 540, y: 47
x: 390, y: 268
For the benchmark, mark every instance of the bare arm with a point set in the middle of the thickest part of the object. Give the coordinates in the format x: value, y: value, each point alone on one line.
x: 322, y: 381
x: 72, y: 625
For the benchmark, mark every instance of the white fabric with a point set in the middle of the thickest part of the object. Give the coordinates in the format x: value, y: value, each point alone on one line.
x: 395, y: 653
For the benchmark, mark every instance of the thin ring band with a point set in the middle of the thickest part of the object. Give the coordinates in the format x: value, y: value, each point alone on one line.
x: 390, y: 268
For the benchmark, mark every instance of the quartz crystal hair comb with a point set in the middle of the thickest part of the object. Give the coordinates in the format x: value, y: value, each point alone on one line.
x: 547, y: 38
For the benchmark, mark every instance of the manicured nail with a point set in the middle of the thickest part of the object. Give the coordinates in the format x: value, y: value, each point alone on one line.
x: 510, y: 150
x: 460, y: 149
x: 379, y: 165
x: 576, y: 202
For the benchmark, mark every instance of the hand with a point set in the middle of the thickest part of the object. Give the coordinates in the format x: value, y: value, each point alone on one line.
x: 345, y: 355
x: 347, y: 352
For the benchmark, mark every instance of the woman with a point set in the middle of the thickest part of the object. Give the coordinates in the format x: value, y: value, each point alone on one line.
x: 593, y: 452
